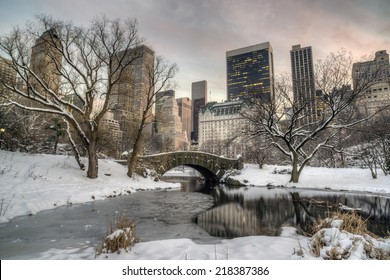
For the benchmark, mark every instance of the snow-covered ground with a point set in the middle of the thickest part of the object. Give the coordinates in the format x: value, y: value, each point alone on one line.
x: 32, y: 183
x: 346, y: 179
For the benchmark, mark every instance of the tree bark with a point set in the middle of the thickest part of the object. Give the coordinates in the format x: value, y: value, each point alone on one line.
x: 295, y: 170
x: 132, y: 160
x: 73, y: 145
x: 92, y: 171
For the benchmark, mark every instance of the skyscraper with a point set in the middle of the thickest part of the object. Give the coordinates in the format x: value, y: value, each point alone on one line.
x: 250, y: 71
x: 169, y: 126
x: 129, y: 97
x: 303, y: 81
x: 199, y: 99
x: 46, y: 59
x: 185, y: 112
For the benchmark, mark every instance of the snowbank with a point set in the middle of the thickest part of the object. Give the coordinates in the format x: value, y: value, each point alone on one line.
x: 252, y: 247
x: 33, y: 183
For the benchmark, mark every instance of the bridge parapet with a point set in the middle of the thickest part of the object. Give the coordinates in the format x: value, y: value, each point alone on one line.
x: 212, y: 167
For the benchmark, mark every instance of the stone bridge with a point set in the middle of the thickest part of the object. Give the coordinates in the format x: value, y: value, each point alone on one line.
x: 212, y: 167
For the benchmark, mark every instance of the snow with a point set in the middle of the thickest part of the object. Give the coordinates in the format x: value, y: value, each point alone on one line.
x: 33, y: 183
x: 346, y: 179
x: 339, y: 245
x: 251, y: 247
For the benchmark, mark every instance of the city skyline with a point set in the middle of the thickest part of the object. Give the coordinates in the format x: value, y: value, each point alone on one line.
x: 197, y: 34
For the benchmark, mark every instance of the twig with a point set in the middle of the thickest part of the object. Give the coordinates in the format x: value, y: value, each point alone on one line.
x: 5, y: 210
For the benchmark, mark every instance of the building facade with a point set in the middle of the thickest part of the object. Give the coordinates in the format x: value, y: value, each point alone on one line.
x: 185, y: 112
x: 302, y: 72
x: 130, y: 94
x: 7, y: 73
x: 169, y: 128
x: 45, y: 62
x: 220, y: 125
x: 250, y: 71
x: 111, y: 135
x: 378, y: 95
x: 46, y: 59
x: 199, y: 99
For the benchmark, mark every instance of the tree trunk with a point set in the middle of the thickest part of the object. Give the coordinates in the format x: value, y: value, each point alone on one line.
x: 131, y: 164
x: 342, y: 160
x: 132, y: 160
x: 295, y: 170
x: 74, y: 147
x: 373, y: 173
x: 55, y: 145
x: 92, y: 171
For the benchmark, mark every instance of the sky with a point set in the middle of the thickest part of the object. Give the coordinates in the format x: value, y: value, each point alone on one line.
x: 196, y: 34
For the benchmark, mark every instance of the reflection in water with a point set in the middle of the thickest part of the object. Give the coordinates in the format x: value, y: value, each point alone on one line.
x: 232, y: 220
x: 192, y: 184
x: 238, y: 214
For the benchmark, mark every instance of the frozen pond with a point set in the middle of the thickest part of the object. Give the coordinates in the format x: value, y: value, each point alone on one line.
x: 158, y: 214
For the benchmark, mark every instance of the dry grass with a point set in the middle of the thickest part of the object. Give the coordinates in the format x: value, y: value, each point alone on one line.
x: 120, y: 236
x: 376, y: 253
x: 352, y: 223
x: 317, y: 244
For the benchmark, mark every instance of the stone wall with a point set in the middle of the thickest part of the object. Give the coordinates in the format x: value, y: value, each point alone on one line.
x: 210, y: 166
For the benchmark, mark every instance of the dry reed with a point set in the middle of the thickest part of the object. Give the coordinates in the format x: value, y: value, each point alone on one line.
x: 120, y: 236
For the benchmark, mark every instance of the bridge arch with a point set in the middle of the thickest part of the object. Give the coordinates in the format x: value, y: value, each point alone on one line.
x: 212, y: 167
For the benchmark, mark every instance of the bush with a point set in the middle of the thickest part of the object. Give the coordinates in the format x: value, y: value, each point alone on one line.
x: 120, y: 236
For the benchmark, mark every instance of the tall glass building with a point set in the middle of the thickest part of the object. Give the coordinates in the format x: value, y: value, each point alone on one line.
x: 250, y: 71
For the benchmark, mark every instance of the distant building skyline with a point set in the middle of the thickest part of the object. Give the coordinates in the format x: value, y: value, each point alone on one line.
x: 250, y: 71
x: 179, y: 29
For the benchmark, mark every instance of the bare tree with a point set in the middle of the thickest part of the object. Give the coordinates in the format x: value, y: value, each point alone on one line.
x: 82, y: 69
x: 20, y: 129
x: 58, y: 127
x: 371, y: 143
x: 160, y: 79
x: 285, y: 121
